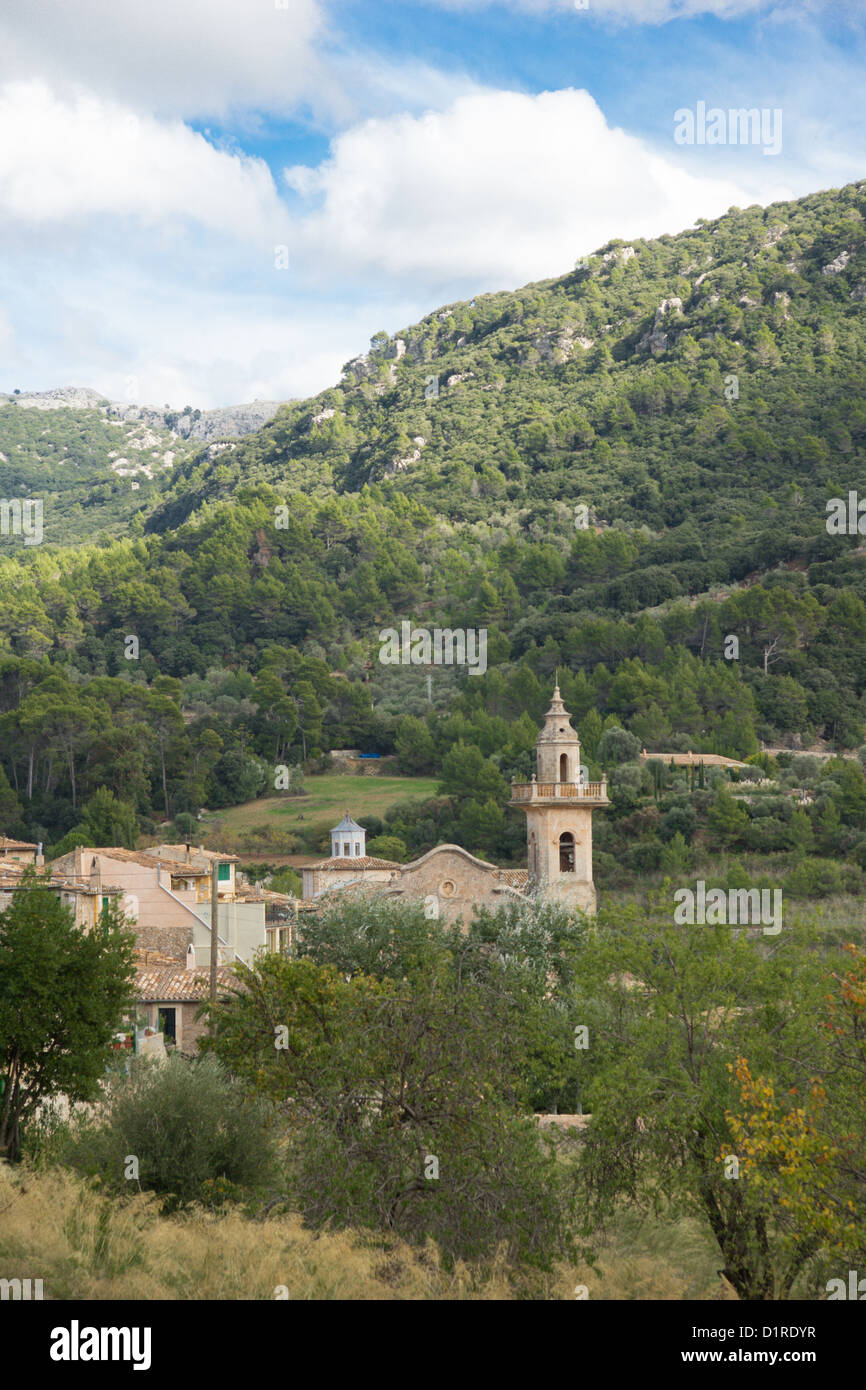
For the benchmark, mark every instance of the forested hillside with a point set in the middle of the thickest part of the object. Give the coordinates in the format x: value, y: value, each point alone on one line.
x: 612, y: 472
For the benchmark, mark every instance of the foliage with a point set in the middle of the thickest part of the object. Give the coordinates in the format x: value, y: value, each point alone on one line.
x: 195, y: 1136
x: 62, y: 996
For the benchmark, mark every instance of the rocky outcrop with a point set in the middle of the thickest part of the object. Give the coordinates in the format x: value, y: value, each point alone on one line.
x: 656, y: 339
x: 837, y: 265
x: 60, y: 398
x: 397, y: 465
x: 225, y: 421
x: 621, y: 254
x: 231, y: 421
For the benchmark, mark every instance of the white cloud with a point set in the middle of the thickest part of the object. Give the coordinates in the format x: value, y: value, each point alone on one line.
x: 173, y: 338
x: 637, y: 11
x: 77, y: 158
x: 406, y: 213
x: 181, y: 57
x: 499, y: 189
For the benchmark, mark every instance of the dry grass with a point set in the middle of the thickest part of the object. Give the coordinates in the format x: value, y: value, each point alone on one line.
x: 55, y: 1227
x: 85, y: 1246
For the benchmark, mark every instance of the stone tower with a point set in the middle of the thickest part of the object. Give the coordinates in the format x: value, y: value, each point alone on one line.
x: 558, y: 804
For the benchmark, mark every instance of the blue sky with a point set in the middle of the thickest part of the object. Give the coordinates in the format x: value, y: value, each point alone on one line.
x: 160, y: 163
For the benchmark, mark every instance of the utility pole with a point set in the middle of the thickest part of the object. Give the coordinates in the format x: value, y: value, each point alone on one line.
x: 214, y: 929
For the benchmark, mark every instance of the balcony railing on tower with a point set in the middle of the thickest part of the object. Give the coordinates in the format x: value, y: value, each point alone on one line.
x: 567, y: 791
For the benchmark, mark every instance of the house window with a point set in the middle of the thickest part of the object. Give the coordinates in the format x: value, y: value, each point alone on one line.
x: 224, y: 873
x: 167, y: 1024
x: 566, y: 853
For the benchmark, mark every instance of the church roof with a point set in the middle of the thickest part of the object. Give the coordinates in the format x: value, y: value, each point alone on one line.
x: 361, y: 861
x: 347, y: 824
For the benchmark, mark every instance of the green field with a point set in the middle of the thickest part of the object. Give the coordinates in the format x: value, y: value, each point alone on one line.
x: 308, y: 817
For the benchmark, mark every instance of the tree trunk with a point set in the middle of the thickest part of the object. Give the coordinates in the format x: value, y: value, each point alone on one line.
x: 164, y: 786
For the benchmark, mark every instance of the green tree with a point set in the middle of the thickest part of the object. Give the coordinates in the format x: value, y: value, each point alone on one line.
x: 413, y: 744
x: 403, y: 1105
x: 62, y: 996
x: 669, y: 1011
x: 727, y: 821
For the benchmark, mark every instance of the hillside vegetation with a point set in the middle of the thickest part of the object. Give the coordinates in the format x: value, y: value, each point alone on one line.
x: 699, y: 397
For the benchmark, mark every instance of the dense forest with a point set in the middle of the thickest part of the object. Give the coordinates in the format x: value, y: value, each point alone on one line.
x: 614, y: 473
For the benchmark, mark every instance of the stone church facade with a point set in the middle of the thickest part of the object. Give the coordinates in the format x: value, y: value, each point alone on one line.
x: 558, y: 804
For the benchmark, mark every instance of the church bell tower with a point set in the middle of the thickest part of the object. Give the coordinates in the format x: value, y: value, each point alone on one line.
x: 558, y: 803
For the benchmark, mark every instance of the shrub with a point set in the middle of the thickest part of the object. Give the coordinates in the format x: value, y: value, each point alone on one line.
x: 387, y: 847
x: 188, y: 1125
x: 814, y: 878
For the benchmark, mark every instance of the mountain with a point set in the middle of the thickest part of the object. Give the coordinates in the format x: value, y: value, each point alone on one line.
x: 622, y: 473
x: 613, y: 384
x: 99, y: 465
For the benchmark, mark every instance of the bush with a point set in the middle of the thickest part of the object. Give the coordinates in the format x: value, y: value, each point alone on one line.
x: 188, y: 1125
x: 388, y: 847
x: 814, y: 878
x: 617, y: 746
x: 679, y: 820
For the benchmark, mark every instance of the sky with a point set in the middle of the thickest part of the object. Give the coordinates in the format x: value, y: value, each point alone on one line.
x: 207, y: 202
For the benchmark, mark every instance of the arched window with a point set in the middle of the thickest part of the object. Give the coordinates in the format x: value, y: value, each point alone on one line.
x: 566, y: 852
x: 563, y: 767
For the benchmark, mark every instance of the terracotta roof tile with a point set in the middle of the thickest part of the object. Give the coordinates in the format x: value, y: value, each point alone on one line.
x: 179, y: 852
x: 177, y: 984
x: 515, y: 878
x: 363, y: 861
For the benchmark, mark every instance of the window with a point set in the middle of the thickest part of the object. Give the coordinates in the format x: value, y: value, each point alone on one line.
x: 357, y: 847
x: 566, y: 853
x: 224, y: 873
x: 347, y: 849
x: 563, y: 767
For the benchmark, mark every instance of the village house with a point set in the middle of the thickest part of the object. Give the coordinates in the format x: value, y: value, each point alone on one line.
x: 167, y: 896
x: 20, y: 852
x: 80, y: 894
x: 169, y: 997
